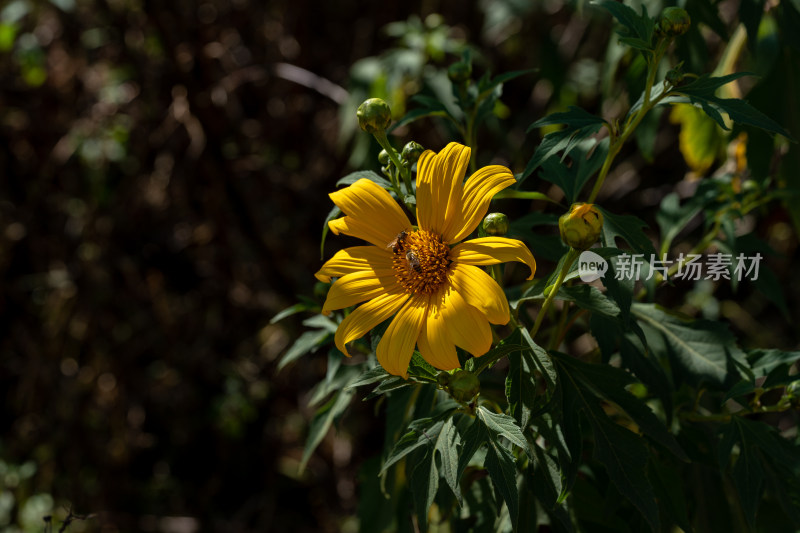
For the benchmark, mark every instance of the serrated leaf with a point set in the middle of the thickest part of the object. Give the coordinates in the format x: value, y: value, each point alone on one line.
x: 420, y: 369
x: 389, y: 385
x: 334, y: 212
x: 587, y: 158
x: 447, y: 445
x: 424, y: 484
x: 558, y: 141
x: 474, y: 437
x: 748, y: 477
x: 669, y: 489
x: 765, y: 361
x: 589, y: 298
x: 520, y: 387
x: 673, y: 217
x: 574, y: 117
x: 365, y: 174
x: 610, y: 382
x: 421, y: 432
x: 705, y: 350
x: 621, y: 451
x: 637, y: 30
x: 702, y: 92
x: 309, y: 341
x: 502, y: 425
x: 376, y: 373
x: 336, y: 380
x: 322, y: 421
x: 503, y: 472
x: 627, y: 227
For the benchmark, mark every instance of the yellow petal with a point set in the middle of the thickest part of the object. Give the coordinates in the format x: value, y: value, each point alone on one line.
x: 435, y: 344
x: 371, y: 212
x: 355, y: 259
x: 478, y: 192
x: 358, y: 287
x: 479, y: 290
x: 466, y: 325
x: 440, y: 186
x: 367, y: 316
x: 493, y: 250
x: 397, y: 345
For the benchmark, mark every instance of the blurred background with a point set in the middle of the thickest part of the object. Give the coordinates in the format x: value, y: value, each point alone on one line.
x: 164, y: 170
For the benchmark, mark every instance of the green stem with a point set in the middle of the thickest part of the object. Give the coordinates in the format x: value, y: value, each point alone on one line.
x: 572, y: 255
x: 380, y: 136
x: 633, y: 121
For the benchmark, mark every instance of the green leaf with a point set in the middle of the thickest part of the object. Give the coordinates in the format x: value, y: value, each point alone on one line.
x: 629, y: 228
x: 421, y: 432
x: 447, y: 445
x: 637, y: 30
x: 322, y: 421
x: 424, y: 484
x: 701, y: 141
x: 580, y: 126
x: 502, y: 469
x: 765, y: 361
x: 365, y: 174
x: 421, y: 370
x: 702, y: 92
x: 575, y: 117
x: 610, y: 383
x: 388, y: 385
x: 502, y: 425
x: 289, y: 311
x: 589, y: 298
x: 334, y: 212
x: 673, y: 217
x: 309, y: 341
x: 333, y: 382
x: 705, y: 350
x: 474, y: 437
x: 669, y: 490
x: 547, y: 485
x: 376, y: 373
x: 587, y: 158
x: 622, y: 452
x: 748, y: 477
x: 521, y: 386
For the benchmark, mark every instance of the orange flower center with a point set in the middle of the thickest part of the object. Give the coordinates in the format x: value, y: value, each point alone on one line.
x: 421, y: 260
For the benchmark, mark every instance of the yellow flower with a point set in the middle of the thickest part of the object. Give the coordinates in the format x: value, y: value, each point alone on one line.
x: 432, y: 286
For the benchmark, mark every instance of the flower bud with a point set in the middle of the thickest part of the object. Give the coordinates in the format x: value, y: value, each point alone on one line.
x: 459, y: 72
x: 383, y: 157
x: 463, y: 386
x: 374, y: 115
x: 673, y: 21
x: 674, y: 77
x: 495, y: 224
x: 411, y: 152
x: 581, y: 226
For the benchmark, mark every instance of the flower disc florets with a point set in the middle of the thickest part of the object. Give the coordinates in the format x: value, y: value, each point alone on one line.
x: 420, y: 261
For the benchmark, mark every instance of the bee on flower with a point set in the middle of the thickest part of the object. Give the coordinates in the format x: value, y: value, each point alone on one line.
x: 424, y: 276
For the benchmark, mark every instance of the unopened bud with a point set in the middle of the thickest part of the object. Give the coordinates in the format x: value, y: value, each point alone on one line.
x: 383, y: 157
x: 411, y: 152
x: 459, y: 72
x: 673, y: 21
x: 674, y: 77
x: 374, y: 115
x: 463, y: 386
x: 495, y: 224
x: 581, y: 226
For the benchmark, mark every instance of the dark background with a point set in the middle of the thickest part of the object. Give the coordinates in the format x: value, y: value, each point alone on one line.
x: 164, y: 183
